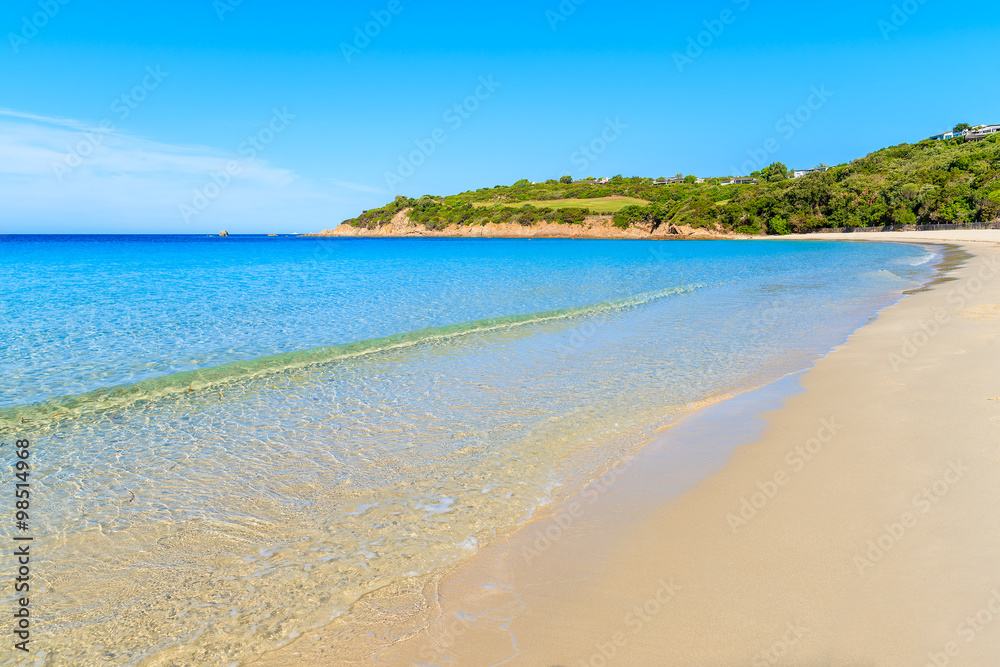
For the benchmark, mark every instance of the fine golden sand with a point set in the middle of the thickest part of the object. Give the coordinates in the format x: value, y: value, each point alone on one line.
x: 861, y: 528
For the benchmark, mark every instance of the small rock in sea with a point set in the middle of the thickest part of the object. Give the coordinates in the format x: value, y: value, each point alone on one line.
x: 223, y: 233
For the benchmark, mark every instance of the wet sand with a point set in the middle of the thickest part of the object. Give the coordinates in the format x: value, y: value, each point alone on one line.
x: 857, y: 523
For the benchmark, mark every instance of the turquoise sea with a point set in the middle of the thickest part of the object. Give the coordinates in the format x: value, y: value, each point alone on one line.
x: 234, y: 439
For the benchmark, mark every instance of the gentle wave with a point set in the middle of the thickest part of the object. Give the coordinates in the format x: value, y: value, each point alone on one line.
x: 920, y: 261
x: 100, y: 400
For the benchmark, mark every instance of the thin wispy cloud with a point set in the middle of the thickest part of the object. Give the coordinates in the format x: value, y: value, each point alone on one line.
x: 69, y: 172
x: 64, y: 122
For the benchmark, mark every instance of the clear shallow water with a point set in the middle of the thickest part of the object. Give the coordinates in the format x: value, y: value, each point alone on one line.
x: 298, y: 422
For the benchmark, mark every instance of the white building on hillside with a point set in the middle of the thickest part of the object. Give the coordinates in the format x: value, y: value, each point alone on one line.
x: 949, y: 135
x: 799, y: 173
x: 981, y: 132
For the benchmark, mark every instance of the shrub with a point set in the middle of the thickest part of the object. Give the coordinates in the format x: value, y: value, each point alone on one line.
x: 779, y: 226
x: 571, y: 216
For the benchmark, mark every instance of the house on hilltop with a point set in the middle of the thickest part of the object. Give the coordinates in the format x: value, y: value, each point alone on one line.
x: 981, y: 132
x: 667, y: 181
x: 799, y: 173
x: 948, y: 135
x: 975, y: 134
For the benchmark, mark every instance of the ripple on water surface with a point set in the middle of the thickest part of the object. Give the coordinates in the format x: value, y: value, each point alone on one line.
x: 204, y: 526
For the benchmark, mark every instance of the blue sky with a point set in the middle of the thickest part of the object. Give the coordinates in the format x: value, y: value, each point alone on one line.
x: 198, y: 115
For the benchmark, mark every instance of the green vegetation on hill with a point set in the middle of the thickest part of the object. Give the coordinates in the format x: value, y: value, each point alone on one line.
x: 594, y: 205
x: 930, y: 182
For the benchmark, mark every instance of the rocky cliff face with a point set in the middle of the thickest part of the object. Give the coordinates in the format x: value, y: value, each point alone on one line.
x: 598, y: 227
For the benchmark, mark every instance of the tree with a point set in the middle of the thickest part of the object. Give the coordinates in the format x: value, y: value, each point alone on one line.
x: 904, y: 216
x: 962, y: 126
x: 690, y: 178
x: 523, y: 183
x: 566, y: 179
x: 775, y: 173
x: 925, y: 182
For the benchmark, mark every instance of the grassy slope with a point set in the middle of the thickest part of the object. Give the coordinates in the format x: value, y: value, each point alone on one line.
x: 929, y: 182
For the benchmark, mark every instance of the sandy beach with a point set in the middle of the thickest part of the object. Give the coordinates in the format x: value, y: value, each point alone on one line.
x: 857, y: 523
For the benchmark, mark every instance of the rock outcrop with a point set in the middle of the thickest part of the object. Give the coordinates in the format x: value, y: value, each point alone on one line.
x: 595, y: 227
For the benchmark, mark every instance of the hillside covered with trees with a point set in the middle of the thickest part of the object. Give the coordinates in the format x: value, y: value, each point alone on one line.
x: 931, y: 182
